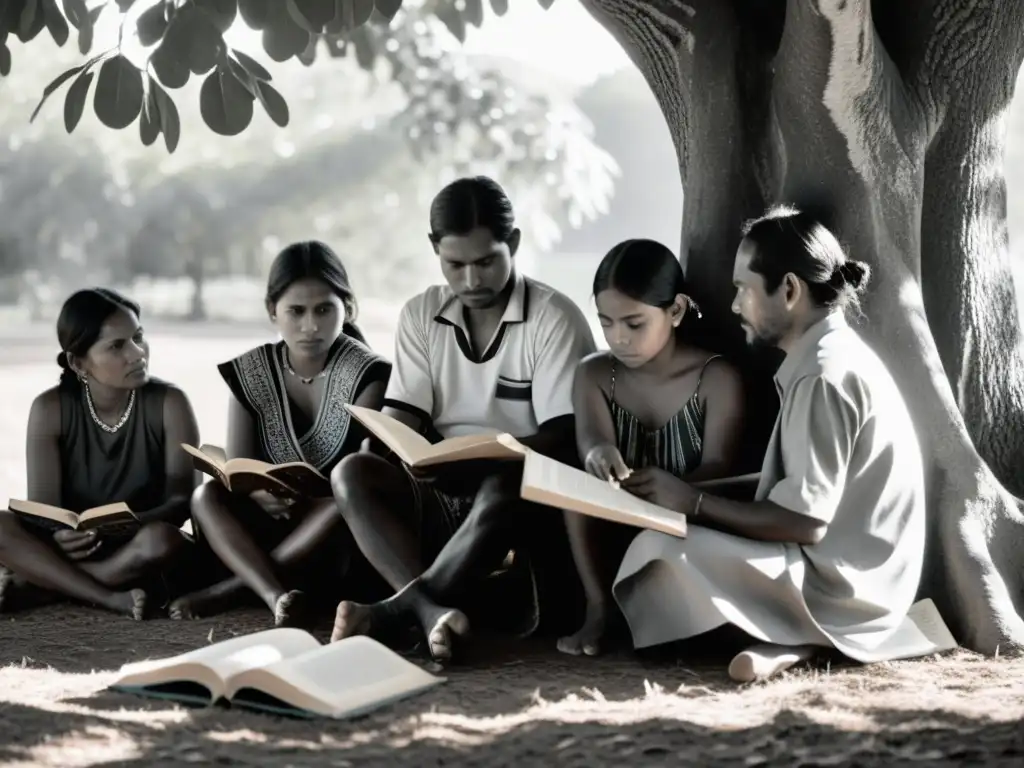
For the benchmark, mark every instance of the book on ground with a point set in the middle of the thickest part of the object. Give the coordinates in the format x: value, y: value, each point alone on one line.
x: 109, y: 518
x: 550, y: 482
x: 283, y: 671
x: 416, y: 451
x: 922, y: 633
x: 240, y: 475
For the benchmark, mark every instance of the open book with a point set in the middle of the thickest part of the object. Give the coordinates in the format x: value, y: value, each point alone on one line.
x: 110, y: 518
x: 551, y: 482
x: 245, y: 476
x: 416, y: 451
x: 284, y: 671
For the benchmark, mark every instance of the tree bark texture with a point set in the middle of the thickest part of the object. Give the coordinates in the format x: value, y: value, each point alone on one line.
x: 885, y: 120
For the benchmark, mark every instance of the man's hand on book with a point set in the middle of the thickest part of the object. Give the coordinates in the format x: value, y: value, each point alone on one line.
x: 77, y: 545
x: 605, y: 462
x: 662, y: 488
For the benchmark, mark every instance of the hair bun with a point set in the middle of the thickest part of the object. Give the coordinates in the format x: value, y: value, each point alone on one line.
x: 855, y: 273
x: 62, y: 360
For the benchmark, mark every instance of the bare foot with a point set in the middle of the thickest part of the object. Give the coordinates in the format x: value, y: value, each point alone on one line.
x: 442, y: 627
x: 587, y: 639
x: 759, y: 662
x: 182, y: 609
x: 131, y: 603
x: 351, y: 619
x: 205, y: 602
x: 291, y: 609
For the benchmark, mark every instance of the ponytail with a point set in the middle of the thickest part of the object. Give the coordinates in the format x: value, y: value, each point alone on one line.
x: 68, y: 378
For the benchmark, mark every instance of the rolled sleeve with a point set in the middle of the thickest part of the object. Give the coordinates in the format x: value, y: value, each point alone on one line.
x: 818, y: 427
x: 563, y: 339
x: 410, y: 384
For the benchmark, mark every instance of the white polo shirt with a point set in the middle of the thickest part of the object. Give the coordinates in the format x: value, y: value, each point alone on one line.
x: 523, y: 379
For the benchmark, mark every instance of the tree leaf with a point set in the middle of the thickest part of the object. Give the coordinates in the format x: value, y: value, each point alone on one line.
x: 273, y: 102
x: 76, y: 12
x: 453, y: 20
x: 224, y: 103
x: 119, y: 93
x: 282, y: 37
x: 85, y: 32
x: 172, y: 71
x: 170, y: 123
x: 149, y: 120
x: 500, y: 7
x: 56, y: 83
x: 311, y: 15
x: 349, y: 15
x: 5, y: 59
x: 255, y: 13
x: 74, y: 101
x: 308, y: 56
x: 122, y: 6
x: 247, y: 80
x: 55, y: 22
x: 545, y: 4
x: 31, y: 22
x: 204, y: 40
x: 474, y: 12
x: 388, y: 8
x: 152, y: 25
x: 251, y: 66
x: 366, y: 51
x: 220, y: 12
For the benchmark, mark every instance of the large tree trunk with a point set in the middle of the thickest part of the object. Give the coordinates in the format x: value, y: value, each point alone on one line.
x: 889, y: 128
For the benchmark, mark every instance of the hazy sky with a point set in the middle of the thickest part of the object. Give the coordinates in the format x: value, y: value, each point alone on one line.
x: 564, y: 39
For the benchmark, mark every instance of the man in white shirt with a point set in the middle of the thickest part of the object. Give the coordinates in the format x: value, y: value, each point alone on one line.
x: 491, y: 351
x: 830, y: 552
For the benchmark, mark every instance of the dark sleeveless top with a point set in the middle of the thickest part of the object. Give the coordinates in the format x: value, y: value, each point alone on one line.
x: 101, y: 468
x: 257, y: 380
x: 675, y: 447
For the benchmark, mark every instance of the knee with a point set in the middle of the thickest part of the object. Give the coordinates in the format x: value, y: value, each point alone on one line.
x: 356, y: 475
x: 497, y: 500
x: 9, y: 529
x: 158, y: 542
x: 207, y: 498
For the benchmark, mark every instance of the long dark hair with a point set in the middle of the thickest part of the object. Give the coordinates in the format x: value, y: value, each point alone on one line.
x: 648, y: 272
x: 468, y: 203
x: 80, y: 322
x: 789, y: 241
x: 316, y: 261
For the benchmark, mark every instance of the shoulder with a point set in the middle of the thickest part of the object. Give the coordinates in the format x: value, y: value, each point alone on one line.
x: 358, y: 352
x: 44, y: 414
x: 424, y: 306
x: 175, y: 400
x: 720, y: 376
x: 549, y: 307
x: 261, y: 351
x: 596, y: 366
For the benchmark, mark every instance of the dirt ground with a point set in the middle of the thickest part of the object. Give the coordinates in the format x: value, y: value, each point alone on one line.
x: 516, y: 704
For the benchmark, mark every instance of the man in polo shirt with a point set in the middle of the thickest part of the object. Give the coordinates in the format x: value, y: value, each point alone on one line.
x: 491, y: 351
x: 830, y: 552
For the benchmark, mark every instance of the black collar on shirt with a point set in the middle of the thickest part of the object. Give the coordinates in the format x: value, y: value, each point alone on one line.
x: 516, y: 311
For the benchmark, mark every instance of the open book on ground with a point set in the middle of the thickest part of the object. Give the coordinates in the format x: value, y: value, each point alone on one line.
x: 416, y: 451
x: 922, y: 633
x: 551, y: 482
x: 110, y: 518
x: 245, y: 476
x: 284, y: 671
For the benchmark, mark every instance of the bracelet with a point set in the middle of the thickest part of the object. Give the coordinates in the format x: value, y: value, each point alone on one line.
x: 696, y: 507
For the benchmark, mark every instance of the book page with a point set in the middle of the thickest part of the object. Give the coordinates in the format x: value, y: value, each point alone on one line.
x: 500, y: 447
x: 409, y: 446
x: 922, y: 633
x: 223, y: 659
x: 207, y: 458
x: 46, y: 511
x: 550, y: 482
x: 344, y: 678
x: 215, y: 453
x: 117, y: 508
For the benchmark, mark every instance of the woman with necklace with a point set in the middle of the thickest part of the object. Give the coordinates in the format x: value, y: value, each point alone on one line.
x: 107, y: 433
x: 288, y: 404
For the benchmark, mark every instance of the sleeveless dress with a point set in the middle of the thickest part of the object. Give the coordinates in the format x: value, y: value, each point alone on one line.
x: 257, y: 380
x: 675, y: 447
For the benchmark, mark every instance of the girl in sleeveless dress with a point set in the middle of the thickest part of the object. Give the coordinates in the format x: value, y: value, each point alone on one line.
x: 650, y: 411
x: 288, y: 404
x: 107, y: 433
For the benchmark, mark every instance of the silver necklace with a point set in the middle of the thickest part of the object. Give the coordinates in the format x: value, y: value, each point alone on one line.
x: 99, y: 422
x: 303, y: 379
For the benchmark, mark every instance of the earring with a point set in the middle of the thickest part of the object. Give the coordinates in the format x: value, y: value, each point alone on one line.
x: 83, y: 378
